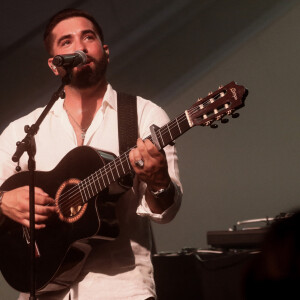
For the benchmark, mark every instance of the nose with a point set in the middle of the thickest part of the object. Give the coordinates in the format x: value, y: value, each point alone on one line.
x: 80, y: 45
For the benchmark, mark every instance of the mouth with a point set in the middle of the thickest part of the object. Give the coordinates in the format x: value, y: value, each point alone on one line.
x: 87, y: 64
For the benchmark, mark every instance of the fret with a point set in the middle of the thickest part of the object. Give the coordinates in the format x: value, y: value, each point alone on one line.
x: 125, y: 163
x: 94, y: 183
x: 97, y: 180
x: 178, y: 126
x: 162, y: 143
x: 106, y: 176
x: 128, y: 163
x: 111, y: 172
x: 160, y: 139
x: 181, y: 126
x: 90, y: 188
x: 82, y: 191
x: 116, y: 168
x: 87, y: 187
x: 176, y: 131
x: 169, y: 132
x: 116, y: 171
x: 166, y: 138
x: 121, y: 163
x: 103, y: 181
x: 185, y: 126
x: 101, y: 178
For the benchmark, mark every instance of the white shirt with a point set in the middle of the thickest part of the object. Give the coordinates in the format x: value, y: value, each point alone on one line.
x: 119, y: 269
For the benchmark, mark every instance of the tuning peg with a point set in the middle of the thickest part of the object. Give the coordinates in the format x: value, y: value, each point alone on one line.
x: 210, y: 93
x: 235, y: 115
x: 221, y: 86
x: 214, y: 126
x: 224, y: 121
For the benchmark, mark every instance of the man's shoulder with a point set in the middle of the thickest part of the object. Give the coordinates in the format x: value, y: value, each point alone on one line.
x: 31, y: 116
x: 149, y: 106
x: 18, y: 124
x: 144, y: 106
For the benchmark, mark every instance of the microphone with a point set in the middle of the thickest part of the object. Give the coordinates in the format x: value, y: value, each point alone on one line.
x: 70, y: 60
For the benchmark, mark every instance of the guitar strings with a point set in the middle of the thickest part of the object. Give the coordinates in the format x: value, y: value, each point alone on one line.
x: 90, y: 179
x: 74, y: 195
x: 108, y: 168
x: 103, y: 171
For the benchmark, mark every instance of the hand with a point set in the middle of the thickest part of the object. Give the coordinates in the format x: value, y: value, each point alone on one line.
x: 155, y: 169
x: 15, y: 205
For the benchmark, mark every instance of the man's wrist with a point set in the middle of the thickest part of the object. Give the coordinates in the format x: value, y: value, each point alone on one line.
x: 162, y: 191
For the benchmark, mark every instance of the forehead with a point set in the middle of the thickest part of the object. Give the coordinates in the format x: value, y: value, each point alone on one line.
x: 72, y: 26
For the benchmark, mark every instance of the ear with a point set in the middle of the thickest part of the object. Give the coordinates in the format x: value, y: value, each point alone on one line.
x: 106, y: 50
x: 52, y: 67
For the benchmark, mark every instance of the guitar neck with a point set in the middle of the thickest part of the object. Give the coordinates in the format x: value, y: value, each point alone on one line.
x: 205, y: 111
x: 171, y: 131
x: 119, y: 167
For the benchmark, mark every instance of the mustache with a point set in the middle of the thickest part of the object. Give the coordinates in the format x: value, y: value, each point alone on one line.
x: 90, y: 59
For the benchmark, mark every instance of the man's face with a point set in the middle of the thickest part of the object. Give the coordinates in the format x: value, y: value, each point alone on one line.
x: 78, y: 33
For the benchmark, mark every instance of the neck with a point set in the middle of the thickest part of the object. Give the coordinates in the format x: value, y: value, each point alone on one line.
x: 82, y: 100
x: 82, y: 105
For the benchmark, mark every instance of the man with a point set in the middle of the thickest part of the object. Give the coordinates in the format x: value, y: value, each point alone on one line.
x: 119, y: 269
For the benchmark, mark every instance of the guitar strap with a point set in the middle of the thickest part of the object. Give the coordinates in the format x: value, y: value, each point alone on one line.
x: 127, y: 129
x: 127, y: 121
x: 128, y: 134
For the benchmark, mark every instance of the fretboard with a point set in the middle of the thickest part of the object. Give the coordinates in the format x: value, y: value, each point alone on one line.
x: 119, y: 167
x: 206, y: 110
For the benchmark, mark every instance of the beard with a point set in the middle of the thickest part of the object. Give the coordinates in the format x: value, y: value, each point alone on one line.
x: 88, y: 77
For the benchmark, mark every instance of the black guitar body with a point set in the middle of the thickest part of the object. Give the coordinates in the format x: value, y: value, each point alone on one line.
x: 54, y: 241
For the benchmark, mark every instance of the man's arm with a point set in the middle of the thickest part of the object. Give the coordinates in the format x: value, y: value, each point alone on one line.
x: 15, y: 205
x: 160, y: 190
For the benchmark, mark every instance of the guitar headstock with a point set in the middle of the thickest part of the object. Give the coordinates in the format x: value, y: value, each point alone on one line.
x: 217, y: 105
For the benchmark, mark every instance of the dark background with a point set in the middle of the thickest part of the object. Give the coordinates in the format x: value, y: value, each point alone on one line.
x: 174, y: 52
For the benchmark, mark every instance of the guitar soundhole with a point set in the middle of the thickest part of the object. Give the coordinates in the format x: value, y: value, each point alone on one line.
x: 69, y: 203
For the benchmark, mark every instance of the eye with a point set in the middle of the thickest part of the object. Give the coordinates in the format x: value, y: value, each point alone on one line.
x: 89, y: 37
x: 65, y: 43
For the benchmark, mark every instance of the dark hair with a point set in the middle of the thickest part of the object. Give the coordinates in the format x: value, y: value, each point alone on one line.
x: 67, y: 14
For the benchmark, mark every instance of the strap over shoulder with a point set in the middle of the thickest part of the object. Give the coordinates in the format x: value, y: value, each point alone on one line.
x: 127, y: 129
x: 127, y: 121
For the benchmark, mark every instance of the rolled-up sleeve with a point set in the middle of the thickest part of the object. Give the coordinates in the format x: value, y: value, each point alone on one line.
x: 158, y: 117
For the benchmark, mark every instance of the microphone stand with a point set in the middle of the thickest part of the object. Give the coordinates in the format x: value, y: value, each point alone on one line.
x: 28, y: 145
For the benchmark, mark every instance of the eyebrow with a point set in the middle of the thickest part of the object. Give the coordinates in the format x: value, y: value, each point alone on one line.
x: 67, y: 36
x: 89, y: 31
